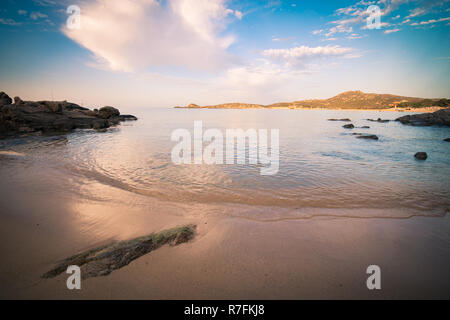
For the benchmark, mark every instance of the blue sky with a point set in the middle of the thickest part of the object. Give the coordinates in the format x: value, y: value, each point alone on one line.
x: 148, y: 53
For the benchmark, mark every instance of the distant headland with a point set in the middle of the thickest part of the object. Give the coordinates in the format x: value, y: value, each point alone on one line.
x: 350, y: 100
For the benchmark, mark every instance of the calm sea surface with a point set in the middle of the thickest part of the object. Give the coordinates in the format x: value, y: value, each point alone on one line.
x: 323, y: 167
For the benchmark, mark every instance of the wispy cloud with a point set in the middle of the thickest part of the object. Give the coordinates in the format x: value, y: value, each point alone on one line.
x: 391, y: 31
x: 298, y: 57
x: 431, y: 21
x: 37, y: 15
x: 45, y: 3
x: 9, y: 22
x: 416, y: 12
x: 351, y: 16
x: 282, y: 39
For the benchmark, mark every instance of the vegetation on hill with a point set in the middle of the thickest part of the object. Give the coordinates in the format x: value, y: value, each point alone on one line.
x: 425, y: 103
x: 346, y: 100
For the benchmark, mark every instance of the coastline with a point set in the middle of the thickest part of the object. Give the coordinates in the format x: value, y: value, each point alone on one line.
x: 421, y: 110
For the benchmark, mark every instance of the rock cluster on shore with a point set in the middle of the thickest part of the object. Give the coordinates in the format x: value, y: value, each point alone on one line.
x: 28, y: 117
x: 440, y: 118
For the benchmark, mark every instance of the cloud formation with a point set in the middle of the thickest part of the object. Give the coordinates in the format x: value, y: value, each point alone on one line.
x: 356, y: 14
x: 130, y: 35
x: 298, y: 57
x: 391, y: 31
x: 431, y: 21
x: 9, y: 22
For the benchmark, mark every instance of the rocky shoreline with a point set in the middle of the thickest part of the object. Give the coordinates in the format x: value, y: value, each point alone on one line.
x: 20, y: 117
x: 438, y: 118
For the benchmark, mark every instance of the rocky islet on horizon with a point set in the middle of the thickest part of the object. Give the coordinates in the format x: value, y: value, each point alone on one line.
x: 20, y: 117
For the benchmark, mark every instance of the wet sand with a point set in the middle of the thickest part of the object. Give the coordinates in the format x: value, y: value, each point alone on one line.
x: 230, y: 258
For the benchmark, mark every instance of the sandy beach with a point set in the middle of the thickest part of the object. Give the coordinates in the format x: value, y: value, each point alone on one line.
x: 231, y: 258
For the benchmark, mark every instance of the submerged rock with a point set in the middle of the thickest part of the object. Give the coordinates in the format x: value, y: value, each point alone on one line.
x: 348, y: 126
x: 421, y: 156
x: 447, y: 140
x: 440, y: 118
x: 29, y: 117
x: 105, y: 259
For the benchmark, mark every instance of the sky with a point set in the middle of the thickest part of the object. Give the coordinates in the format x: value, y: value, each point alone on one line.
x: 150, y: 53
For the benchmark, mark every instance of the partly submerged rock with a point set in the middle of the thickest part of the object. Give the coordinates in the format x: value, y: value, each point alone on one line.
x: 105, y: 259
x: 447, y: 140
x: 127, y: 117
x: 367, y: 136
x: 348, y: 126
x: 346, y: 120
x: 378, y: 120
x: 421, y: 156
x: 440, y: 118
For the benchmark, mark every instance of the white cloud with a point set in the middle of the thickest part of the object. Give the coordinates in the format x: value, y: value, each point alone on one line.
x: 416, y: 12
x: 9, y: 22
x: 340, y: 28
x: 45, y: 3
x: 382, y: 24
x: 354, y: 36
x: 430, y: 21
x: 259, y: 81
x: 37, y: 15
x: 405, y: 21
x: 391, y: 31
x: 282, y: 39
x: 351, y: 16
x: 298, y: 57
x: 129, y: 35
x: 391, y: 5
